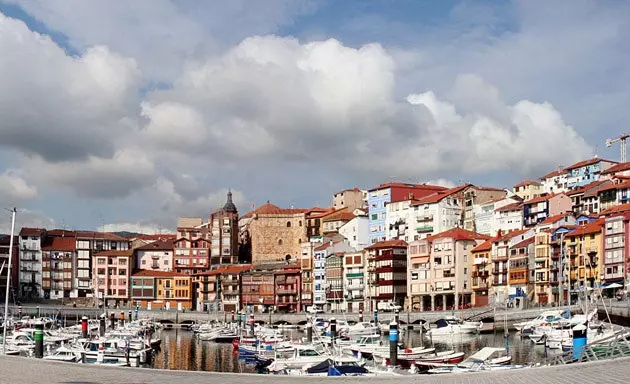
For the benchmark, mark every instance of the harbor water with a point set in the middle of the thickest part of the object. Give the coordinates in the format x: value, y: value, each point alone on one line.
x: 181, y: 350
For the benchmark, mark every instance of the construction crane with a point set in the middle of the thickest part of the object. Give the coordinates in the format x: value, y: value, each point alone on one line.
x: 622, y: 143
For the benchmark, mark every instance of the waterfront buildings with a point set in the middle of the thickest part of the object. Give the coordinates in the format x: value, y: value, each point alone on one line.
x: 387, y: 273
x: 157, y: 255
x: 219, y: 289
x: 58, y: 258
x: 30, y: 262
x: 161, y: 290
x: 258, y: 292
x: 501, y: 252
x: 192, y: 246
x: 480, y: 264
x: 616, y: 235
x: 439, y: 271
x: 5, y: 244
x: 112, y: 273
x: 354, y: 280
x: 88, y: 244
x: 288, y: 287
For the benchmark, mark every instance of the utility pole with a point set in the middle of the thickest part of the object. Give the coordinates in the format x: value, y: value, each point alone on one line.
x: 6, y: 298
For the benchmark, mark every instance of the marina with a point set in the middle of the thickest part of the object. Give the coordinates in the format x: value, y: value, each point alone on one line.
x: 321, y: 346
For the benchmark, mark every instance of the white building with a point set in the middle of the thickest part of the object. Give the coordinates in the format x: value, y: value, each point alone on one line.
x: 489, y: 219
x: 156, y: 256
x: 399, y: 220
x: 356, y: 230
x: 319, y: 267
x: 88, y: 244
x: 436, y: 213
x: 508, y: 217
x: 30, y: 262
x: 555, y: 182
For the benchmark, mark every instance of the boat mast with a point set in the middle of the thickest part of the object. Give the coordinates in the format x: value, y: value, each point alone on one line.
x: 6, y: 298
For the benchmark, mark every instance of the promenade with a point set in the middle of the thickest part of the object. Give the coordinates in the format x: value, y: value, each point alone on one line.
x: 18, y: 370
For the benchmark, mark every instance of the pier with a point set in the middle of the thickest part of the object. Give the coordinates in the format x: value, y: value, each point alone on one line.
x: 487, y: 315
x: 17, y: 370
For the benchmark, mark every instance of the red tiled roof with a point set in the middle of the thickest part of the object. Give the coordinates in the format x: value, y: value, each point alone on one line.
x: 388, y: 244
x: 621, y: 167
x: 458, y: 234
x: 511, y: 234
x: 542, y: 198
x: 588, y: 162
x: 555, y: 219
x: 159, y: 245
x: 151, y: 273
x: 510, y: 207
x: 439, y: 196
x: 616, y: 209
x: 355, y: 189
x: 525, y: 183
x: 227, y: 270
x: 490, y: 189
x: 405, y: 185
x: 99, y: 236
x: 552, y: 174
x: 524, y: 243
x: 592, y: 227
x: 325, y: 246
x: 343, y: 216
x: 61, y: 233
x: 127, y: 253
x: 65, y: 244
x: 162, y: 236
x: 485, y: 246
x: 34, y: 232
x: 270, y: 209
x: 625, y: 184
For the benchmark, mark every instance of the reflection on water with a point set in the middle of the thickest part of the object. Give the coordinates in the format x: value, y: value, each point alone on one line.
x: 182, y: 351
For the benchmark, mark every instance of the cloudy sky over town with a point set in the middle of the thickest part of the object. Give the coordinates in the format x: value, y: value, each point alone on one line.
x: 128, y: 114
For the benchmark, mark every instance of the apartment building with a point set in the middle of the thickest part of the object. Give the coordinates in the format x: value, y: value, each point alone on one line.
x: 88, y: 244
x: 616, y: 231
x: 540, y: 208
x: 334, y: 281
x: 58, y: 260
x: 481, y: 277
x: 387, y: 273
x: 192, y: 247
x: 30, y: 262
x: 500, y: 261
x: 112, y: 274
x: 157, y: 289
x: 157, y: 255
x: 354, y: 278
x: 287, y: 288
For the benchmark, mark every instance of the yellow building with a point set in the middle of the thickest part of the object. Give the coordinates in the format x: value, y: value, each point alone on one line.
x: 584, y: 250
x: 527, y: 189
x: 480, y: 266
x: 159, y: 289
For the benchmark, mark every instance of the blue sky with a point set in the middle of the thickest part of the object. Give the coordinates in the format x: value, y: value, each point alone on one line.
x: 134, y: 113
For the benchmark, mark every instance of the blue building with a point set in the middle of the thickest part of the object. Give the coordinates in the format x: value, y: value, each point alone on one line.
x: 379, y: 197
x: 587, y: 171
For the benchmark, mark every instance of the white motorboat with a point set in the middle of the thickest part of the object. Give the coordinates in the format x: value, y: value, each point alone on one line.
x: 451, y: 325
x: 64, y: 354
x: 306, y: 355
x: 545, y: 318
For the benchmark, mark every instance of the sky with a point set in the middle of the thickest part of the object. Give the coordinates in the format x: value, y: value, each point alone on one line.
x: 125, y: 115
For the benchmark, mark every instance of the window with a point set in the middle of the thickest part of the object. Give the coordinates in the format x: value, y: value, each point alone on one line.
x: 288, y: 224
x: 279, y: 241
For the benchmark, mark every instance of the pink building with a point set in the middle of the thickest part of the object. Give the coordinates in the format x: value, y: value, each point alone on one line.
x: 155, y: 256
x: 112, y: 271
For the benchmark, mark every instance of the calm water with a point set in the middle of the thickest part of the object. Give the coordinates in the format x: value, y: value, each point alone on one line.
x: 182, y: 351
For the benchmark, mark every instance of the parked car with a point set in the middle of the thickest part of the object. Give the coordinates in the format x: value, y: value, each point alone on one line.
x: 314, y: 310
x: 388, y: 307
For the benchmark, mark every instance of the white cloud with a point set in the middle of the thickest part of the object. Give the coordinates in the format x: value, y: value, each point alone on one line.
x: 13, y: 188
x: 144, y: 228
x: 25, y: 218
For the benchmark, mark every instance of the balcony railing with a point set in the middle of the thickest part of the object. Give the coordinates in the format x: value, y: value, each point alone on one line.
x: 424, y: 228
x: 286, y: 291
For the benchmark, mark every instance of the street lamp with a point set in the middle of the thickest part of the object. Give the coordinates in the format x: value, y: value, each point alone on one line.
x: 6, y: 298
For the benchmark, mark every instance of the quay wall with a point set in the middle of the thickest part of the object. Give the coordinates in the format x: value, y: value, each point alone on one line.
x: 20, y: 370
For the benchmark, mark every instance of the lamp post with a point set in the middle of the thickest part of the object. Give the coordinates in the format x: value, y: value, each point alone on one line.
x: 6, y: 298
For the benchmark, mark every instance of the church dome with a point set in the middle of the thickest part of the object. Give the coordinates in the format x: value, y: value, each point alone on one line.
x: 229, y: 205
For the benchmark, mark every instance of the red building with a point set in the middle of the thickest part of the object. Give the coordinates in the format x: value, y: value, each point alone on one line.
x: 387, y: 272
x: 58, y: 257
x: 258, y: 291
x: 192, y: 247
x: 288, y: 288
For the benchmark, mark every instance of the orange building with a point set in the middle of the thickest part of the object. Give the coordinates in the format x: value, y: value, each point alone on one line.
x: 159, y: 289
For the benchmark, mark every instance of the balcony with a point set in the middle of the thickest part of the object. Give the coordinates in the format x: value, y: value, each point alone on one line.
x: 353, y: 297
x: 480, y: 287
x: 497, y: 257
x: 286, y: 291
x: 424, y: 229
x: 355, y: 287
x: 354, y: 275
x: 499, y: 271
